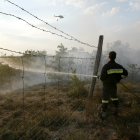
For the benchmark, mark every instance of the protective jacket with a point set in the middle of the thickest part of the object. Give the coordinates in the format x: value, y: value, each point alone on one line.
x: 112, y: 73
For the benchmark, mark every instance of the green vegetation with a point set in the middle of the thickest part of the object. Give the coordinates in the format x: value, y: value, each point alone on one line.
x: 58, y: 63
x: 34, y: 53
x: 77, y: 88
x: 7, y: 74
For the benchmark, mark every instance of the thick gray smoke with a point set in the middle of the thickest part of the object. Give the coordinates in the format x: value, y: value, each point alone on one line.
x: 126, y: 56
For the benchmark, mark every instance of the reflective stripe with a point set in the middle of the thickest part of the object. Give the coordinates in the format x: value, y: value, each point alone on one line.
x: 105, y: 101
x: 112, y: 71
x: 114, y: 99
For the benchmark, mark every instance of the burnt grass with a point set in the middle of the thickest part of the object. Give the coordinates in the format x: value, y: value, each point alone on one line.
x: 60, y: 115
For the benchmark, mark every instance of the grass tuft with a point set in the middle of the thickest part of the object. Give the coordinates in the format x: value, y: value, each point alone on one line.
x: 77, y: 88
x: 54, y: 120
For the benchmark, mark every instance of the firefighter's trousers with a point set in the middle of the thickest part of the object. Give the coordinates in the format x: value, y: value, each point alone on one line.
x: 109, y: 93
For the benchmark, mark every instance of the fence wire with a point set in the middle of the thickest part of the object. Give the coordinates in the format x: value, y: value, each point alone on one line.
x: 55, y: 28
x: 42, y: 78
x: 46, y: 96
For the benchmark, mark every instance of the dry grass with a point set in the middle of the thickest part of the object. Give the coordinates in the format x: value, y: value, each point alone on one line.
x: 55, y: 115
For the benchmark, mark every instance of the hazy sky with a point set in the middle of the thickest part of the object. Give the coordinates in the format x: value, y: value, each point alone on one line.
x: 84, y: 19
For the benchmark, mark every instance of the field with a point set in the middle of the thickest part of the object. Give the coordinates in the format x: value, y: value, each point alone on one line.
x: 57, y: 107
x: 64, y: 115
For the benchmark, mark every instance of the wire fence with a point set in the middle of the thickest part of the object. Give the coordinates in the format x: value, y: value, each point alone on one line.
x: 42, y: 84
x: 45, y: 91
x: 47, y: 94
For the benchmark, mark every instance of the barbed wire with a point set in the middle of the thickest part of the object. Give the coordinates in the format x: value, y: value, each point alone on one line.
x: 71, y: 37
x: 41, y: 55
x: 72, y: 57
x: 44, y: 30
x: 49, y: 56
x: 11, y: 51
x: 55, y: 72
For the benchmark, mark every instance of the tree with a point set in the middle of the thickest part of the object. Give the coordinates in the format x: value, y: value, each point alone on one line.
x: 62, y: 51
x: 34, y: 59
x: 34, y: 53
x: 59, y: 62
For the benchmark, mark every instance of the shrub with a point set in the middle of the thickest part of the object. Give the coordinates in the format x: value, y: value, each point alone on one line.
x: 77, y: 88
x: 7, y: 74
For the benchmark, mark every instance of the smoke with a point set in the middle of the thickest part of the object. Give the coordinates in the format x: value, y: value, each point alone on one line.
x: 126, y: 56
x: 40, y: 69
x: 33, y: 69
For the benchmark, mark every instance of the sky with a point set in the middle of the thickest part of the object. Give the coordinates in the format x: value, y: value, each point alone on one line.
x: 83, y: 19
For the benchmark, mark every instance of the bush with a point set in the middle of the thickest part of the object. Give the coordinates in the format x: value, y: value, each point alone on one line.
x: 77, y: 88
x: 7, y: 73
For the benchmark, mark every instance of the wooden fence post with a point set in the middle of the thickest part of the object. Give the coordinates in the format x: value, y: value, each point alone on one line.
x: 96, y: 66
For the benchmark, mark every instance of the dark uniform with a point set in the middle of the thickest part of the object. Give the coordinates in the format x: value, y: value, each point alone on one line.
x: 111, y: 74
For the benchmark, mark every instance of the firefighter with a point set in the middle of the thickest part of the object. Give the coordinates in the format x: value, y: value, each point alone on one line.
x: 111, y: 74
